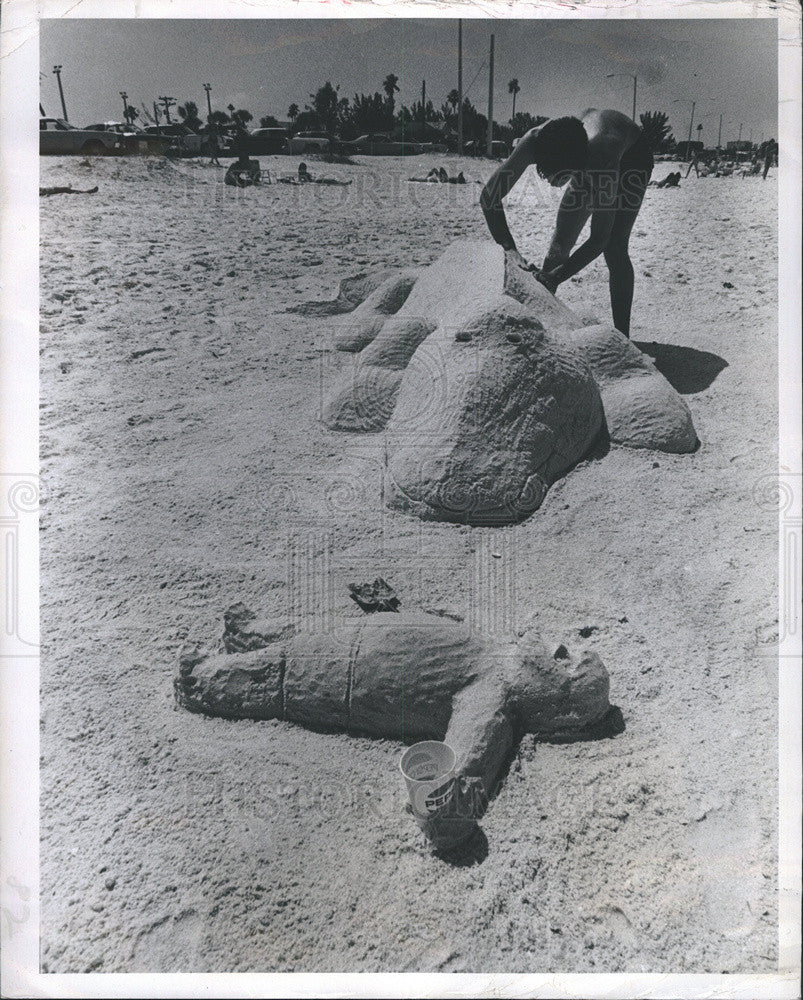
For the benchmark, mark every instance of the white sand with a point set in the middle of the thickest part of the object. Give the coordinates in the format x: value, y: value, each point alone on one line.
x: 176, y: 483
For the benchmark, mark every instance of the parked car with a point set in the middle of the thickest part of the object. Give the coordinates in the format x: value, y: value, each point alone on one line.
x: 310, y: 142
x: 183, y: 141
x: 433, y: 147
x: 58, y: 138
x: 133, y: 139
x: 264, y: 141
x: 380, y: 144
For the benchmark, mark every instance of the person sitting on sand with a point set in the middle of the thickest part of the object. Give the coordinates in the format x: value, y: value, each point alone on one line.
x: 304, y: 175
x: 243, y: 172
x: 607, y: 161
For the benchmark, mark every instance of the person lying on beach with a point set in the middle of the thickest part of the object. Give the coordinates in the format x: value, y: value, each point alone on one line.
x: 305, y: 177
x: 438, y: 175
x: 607, y: 162
x: 65, y: 190
x: 670, y: 181
x: 243, y: 172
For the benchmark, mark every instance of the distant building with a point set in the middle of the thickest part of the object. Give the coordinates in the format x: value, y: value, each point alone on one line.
x: 740, y: 146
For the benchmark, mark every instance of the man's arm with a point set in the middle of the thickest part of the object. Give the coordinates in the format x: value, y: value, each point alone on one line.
x: 499, y: 184
x: 604, y: 206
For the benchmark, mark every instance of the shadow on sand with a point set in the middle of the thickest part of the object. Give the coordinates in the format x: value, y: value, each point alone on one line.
x: 687, y: 370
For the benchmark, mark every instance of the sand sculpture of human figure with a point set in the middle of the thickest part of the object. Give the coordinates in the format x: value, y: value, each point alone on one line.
x: 243, y: 172
x: 607, y: 162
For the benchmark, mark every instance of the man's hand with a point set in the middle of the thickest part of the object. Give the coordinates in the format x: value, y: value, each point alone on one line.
x: 549, y: 279
x: 516, y: 258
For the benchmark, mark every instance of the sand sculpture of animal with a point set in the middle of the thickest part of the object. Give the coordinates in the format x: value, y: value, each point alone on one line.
x: 488, y: 388
x: 405, y: 676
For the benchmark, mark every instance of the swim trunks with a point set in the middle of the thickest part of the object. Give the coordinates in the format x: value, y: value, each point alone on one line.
x: 635, y: 170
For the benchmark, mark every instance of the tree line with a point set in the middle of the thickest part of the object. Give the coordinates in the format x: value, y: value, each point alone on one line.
x: 328, y: 112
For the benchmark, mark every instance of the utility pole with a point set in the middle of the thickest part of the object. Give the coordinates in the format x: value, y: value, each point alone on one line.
x: 156, y: 112
x: 491, y: 100
x: 57, y: 71
x: 740, y: 131
x: 460, y: 87
x: 635, y: 82
x: 691, y: 122
x: 719, y: 140
x: 207, y: 88
x: 423, y: 107
x: 168, y: 103
x: 124, y: 96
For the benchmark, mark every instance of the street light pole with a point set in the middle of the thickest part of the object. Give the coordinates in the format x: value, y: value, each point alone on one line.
x: 719, y: 140
x: 124, y: 96
x: 207, y: 88
x: 168, y: 103
x: 691, y: 123
x: 491, y: 100
x: 740, y: 131
x: 423, y: 108
x: 460, y: 87
x: 57, y: 71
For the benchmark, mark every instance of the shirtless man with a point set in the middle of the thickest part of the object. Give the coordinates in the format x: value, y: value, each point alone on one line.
x: 607, y: 162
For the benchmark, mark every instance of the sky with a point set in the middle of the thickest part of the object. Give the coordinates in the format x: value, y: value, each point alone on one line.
x: 727, y: 66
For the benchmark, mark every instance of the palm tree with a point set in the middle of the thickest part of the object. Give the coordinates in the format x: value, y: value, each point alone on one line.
x: 188, y: 113
x: 391, y: 86
x: 513, y: 88
x: 292, y: 112
x: 656, y: 129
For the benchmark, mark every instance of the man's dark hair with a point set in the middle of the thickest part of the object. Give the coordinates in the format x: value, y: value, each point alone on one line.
x: 562, y: 144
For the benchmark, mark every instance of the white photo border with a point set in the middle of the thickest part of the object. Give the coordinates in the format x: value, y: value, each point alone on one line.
x: 19, y: 394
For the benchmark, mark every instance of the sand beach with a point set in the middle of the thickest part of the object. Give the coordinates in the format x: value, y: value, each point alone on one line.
x: 184, y: 468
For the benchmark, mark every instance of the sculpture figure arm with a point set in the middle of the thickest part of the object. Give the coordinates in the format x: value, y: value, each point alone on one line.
x: 480, y: 732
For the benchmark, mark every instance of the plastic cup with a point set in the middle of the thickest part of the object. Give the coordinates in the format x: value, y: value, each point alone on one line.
x: 429, y: 772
